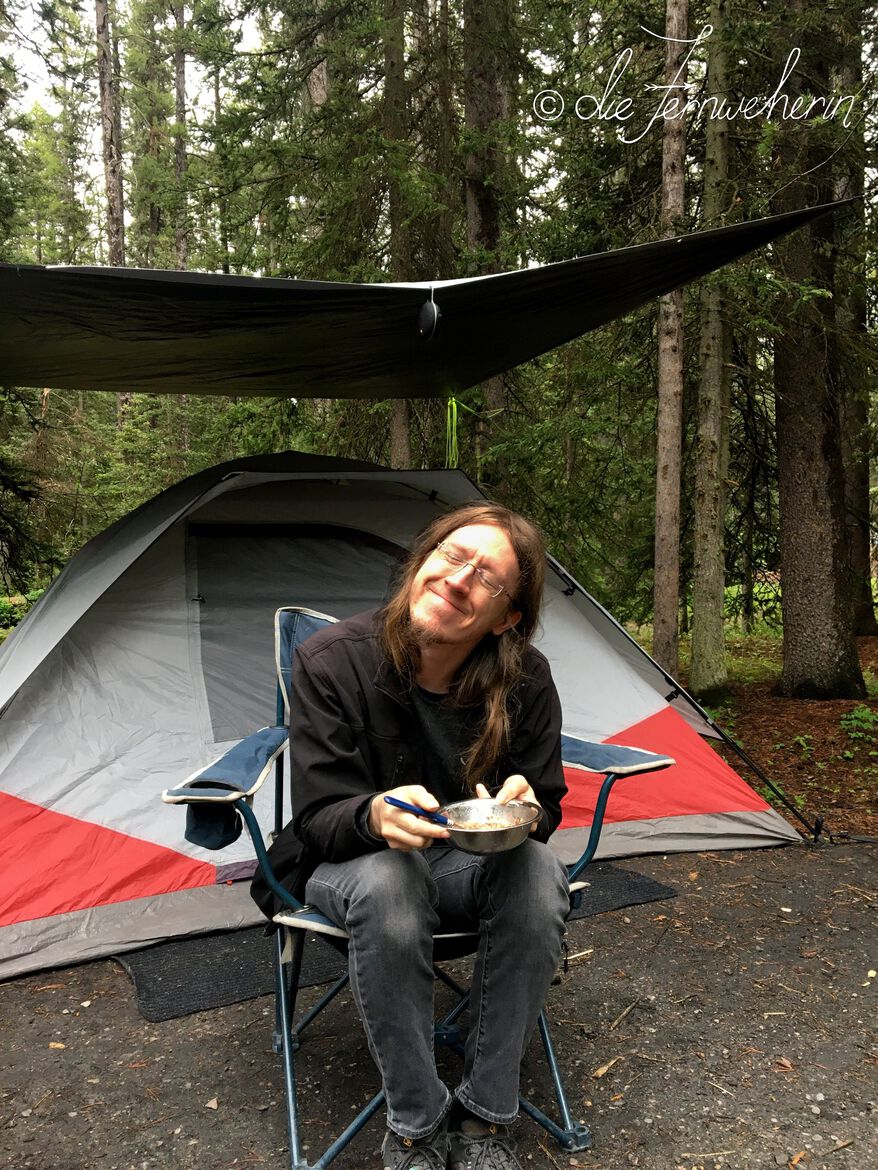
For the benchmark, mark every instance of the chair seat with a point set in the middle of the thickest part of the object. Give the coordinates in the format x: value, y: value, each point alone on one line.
x: 309, y: 919
x: 446, y: 946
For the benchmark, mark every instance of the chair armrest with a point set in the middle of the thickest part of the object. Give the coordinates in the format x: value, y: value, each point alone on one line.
x: 239, y: 772
x: 613, y: 761
x: 605, y: 758
x: 218, y: 793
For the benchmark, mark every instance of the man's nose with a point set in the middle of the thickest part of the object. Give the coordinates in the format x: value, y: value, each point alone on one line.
x: 462, y: 577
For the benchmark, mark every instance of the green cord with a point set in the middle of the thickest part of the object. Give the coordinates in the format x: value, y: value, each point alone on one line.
x: 452, y: 454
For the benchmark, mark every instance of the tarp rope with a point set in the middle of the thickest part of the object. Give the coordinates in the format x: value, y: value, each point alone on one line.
x: 452, y: 453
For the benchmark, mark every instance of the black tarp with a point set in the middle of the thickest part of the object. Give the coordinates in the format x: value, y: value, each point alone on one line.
x: 182, y: 332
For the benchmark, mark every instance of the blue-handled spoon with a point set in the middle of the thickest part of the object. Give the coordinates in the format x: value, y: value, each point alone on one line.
x: 436, y: 818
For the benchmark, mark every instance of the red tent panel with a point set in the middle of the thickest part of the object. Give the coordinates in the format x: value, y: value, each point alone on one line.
x: 53, y: 864
x: 700, y: 782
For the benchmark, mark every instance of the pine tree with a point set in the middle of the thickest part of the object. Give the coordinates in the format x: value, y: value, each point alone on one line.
x: 820, y: 657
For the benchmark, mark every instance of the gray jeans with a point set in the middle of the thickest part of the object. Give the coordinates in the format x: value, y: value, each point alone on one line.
x: 391, y: 903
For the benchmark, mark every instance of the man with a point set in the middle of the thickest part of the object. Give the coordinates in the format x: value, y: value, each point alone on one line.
x: 436, y: 697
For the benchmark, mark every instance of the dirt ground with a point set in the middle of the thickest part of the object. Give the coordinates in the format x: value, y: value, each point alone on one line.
x: 822, y: 755
x: 733, y: 1026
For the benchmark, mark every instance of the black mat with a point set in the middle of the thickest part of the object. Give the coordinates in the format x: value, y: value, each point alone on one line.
x: 213, y: 970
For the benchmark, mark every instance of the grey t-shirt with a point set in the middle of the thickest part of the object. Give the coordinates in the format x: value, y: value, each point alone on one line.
x: 447, y: 734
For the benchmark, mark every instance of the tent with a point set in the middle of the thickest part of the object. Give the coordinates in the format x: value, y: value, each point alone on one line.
x: 152, y: 652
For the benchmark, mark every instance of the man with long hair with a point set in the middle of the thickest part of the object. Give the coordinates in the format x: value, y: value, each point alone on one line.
x: 434, y: 698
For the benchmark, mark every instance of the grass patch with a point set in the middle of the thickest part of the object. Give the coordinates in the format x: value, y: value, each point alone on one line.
x: 754, y: 658
x: 750, y: 658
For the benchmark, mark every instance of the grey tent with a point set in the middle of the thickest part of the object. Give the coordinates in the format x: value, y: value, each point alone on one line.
x: 152, y: 653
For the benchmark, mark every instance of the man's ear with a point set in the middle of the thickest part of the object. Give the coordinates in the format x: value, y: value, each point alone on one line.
x: 512, y: 618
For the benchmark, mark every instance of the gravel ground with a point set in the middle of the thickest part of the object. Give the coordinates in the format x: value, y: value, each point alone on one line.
x: 731, y: 1027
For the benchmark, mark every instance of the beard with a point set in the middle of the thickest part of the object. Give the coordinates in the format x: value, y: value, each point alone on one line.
x: 424, y: 633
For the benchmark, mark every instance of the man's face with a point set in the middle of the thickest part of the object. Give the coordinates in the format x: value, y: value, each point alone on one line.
x: 450, y: 605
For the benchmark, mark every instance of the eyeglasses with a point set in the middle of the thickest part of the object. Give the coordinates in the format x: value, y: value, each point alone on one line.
x: 453, y: 558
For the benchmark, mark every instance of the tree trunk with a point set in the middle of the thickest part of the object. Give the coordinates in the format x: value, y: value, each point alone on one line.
x: 317, y: 81
x: 434, y: 112
x: 708, y: 674
x: 853, y: 351
x: 820, y: 655
x: 181, y: 226
x: 222, y: 203
x: 396, y: 127
x: 669, y: 424
x: 111, y: 140
x: 488, y: 41
x: 400, y: 433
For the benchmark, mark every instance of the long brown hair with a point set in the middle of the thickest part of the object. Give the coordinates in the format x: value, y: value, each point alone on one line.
x: 494, y: 667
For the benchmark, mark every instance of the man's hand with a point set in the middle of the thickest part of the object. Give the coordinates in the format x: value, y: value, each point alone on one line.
x: 403, y: 830
x: 514, y: 788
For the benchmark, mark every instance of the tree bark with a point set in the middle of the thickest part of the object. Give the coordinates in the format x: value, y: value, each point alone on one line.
x: 853, y: 350
x: 820, y: 655
x: 400, y: 433
x: 433, y: 110
x: 110, y: 138
x: 669, y: 424
x: 181, y: 226
x: 222, y: 203
x: 488, y: 40
x: 708, y: 673
x: 396, y: 127
x: 317, y: 82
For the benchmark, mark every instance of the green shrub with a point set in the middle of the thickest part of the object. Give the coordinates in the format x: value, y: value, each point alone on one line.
x: 860, y: 723
x: 13, y: 609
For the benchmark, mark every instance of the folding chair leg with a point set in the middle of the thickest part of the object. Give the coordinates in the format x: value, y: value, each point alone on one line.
x: 285, y: 1007
x: 573, y: 1135
x: 286, y: 1041
x: 318, y: 1007
x: 291, y: 983
x: 351, y: 1132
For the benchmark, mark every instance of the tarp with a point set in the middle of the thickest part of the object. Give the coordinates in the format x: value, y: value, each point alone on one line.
x: 182, y: 332
x: 152, y: 653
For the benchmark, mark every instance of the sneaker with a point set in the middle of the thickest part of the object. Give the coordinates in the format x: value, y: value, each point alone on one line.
x: 482, y: 1146
x: 426, y: 1153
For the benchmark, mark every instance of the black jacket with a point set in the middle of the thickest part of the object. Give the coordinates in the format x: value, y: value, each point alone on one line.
x: 354, y: 732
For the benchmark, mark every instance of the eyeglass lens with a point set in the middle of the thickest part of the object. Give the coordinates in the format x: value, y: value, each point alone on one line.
x: 458, y: 560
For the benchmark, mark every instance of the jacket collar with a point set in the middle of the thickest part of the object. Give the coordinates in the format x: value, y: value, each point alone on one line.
x: 389, y: 683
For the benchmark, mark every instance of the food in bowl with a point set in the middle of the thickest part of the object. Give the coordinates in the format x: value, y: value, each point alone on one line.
x: 485, y: 826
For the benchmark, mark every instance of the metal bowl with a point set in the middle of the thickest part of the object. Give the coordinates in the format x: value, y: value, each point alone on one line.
x: 484, y: 826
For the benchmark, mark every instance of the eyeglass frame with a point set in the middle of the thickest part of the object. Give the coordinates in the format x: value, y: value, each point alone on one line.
x: 487, y: 583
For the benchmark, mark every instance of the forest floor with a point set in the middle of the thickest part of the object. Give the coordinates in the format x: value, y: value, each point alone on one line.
x: 732, y: 1027
x: 822, y: 755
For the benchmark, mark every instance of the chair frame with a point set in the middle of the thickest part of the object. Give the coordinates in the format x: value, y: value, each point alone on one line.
x: 211, y: 786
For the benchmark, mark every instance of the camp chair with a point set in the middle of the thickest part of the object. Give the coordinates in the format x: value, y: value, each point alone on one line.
x: 219, y: 801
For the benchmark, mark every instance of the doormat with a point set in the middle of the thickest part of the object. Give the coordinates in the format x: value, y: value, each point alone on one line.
x: 207, y: 971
